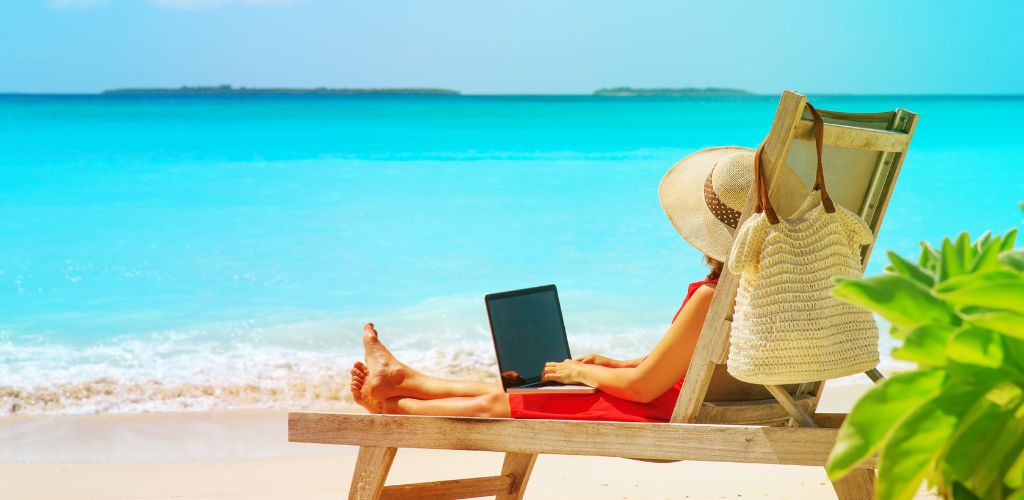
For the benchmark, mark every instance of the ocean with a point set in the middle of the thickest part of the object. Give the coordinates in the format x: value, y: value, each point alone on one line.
x: 213, y: 252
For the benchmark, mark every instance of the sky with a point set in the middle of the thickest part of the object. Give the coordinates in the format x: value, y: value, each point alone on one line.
x: 514, y: 46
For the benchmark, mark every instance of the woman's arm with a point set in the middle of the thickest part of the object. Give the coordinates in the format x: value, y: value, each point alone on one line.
x: 599, y: 360
x: 655, y: 373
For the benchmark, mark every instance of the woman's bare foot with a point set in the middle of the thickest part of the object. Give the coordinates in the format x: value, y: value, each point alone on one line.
x: 358, y: 387
x: 385, y: 373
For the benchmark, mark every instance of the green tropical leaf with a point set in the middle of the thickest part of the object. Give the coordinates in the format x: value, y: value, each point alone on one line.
x: 1005, y: 322
x: 917, y: 440
x: 925, y: 345
x: 955, y: 257
x: 986, y: 256
x: 983, y: 240
x: 1013, y: 259
x: 1002, y: 294
x: 1014, y: 477
x: 960, y: 492
x: 976, y: 346
x: 1014, y: 355
x: 910, y: 270
x: 900, y: 300
x: 990, y: 421
x: 1009, y: 239
x: 967, y: 280
x: 876, y: 413
x: 929, y: 258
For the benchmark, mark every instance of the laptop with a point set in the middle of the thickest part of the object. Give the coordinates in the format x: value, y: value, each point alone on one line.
x: 528, y: 331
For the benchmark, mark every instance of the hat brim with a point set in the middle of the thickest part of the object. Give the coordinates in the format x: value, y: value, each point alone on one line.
x: 682, y: 197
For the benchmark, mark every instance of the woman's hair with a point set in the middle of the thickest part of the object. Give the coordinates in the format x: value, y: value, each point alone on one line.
x: 716, y: 267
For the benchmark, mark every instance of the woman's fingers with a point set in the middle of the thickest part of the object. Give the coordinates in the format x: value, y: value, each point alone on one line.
x: 550, y: 372
x: 591, y: 359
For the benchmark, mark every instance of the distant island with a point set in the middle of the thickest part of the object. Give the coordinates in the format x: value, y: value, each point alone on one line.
x: 683, y: 91
x: 228, y: 89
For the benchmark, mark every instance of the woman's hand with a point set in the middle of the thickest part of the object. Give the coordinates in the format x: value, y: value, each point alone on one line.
x: 566, y: 372
x: 599, y: 360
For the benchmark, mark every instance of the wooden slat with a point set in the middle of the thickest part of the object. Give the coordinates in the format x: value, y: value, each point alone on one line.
x: 761, y: 412
x: 455, y: 488
x: 700, y: 442
x: 844, y: 136
x: 372, y: 466
x: 889, y: 182
x: 783, y: 130
x: 870, y: 120
x: 829, y: 420
x: 880, y: 180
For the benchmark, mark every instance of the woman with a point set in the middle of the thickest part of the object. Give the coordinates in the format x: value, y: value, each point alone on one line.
x: 702, y: 195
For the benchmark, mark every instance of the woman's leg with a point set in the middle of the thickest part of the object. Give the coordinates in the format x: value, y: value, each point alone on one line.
x: 385, y: 377
x: 493, y: 405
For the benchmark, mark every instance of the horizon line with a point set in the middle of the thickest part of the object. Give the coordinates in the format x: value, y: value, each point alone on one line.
x: 369, y: 92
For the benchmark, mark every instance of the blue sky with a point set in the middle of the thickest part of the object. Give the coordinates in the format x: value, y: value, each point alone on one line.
x: 521, y: 46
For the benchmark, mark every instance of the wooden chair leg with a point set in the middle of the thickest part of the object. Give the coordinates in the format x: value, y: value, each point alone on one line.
x: 875, y: 375
x: 801, y: 417
x: 859, y: 484
x: 372, y: 468
x: 519, y: 466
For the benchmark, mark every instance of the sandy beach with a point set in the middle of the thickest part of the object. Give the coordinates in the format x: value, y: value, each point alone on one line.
x: 245, y: 454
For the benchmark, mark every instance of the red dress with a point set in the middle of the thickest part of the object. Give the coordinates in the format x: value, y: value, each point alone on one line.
x: 600, y: 405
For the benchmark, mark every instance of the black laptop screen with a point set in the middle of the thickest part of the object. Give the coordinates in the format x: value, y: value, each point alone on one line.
x: 528, y: 332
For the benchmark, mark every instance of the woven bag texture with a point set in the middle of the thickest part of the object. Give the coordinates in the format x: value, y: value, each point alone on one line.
x: 787, y: 328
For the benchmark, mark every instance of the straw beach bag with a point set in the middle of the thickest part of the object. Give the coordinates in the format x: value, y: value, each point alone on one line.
x: 787, y: 327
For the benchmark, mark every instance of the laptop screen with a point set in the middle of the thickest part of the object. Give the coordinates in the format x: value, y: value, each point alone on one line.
x: 528, y: 331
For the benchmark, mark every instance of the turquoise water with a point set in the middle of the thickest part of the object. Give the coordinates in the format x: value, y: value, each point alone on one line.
x: 206, y: 252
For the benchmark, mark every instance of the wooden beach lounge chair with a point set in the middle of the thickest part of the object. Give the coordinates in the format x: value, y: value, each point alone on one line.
x: 717, y: 418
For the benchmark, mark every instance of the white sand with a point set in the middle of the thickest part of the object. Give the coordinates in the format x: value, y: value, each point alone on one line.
x: 245, y: 454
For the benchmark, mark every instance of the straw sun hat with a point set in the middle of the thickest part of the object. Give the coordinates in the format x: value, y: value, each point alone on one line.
x: 704, y: 194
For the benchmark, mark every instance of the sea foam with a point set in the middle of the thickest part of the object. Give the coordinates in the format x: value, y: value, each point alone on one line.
x: 302, y: 365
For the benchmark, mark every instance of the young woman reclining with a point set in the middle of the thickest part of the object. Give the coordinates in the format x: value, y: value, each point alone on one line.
x: 703, y: 195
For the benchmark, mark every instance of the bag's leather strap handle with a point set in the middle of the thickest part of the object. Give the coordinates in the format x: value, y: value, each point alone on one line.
x: 819, y: 143
x: 764, y: 204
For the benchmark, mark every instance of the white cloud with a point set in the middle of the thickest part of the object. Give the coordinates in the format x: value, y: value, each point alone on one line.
x: 76, y: 4
x: 206, y: 4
